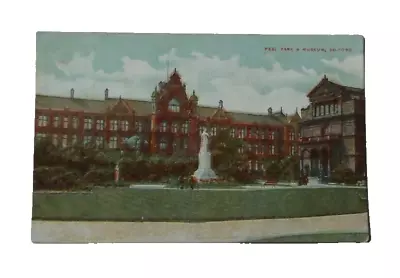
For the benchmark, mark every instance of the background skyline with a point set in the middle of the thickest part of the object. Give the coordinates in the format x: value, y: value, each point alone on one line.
x: 234, y: 68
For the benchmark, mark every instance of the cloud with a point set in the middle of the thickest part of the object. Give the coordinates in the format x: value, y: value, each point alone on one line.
x: 351, y: 65
x: 240, y: 87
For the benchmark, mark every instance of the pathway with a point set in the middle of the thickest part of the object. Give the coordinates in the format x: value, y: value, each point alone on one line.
x: 224, y: 231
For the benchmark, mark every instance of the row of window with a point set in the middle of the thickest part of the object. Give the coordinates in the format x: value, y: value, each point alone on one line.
x: 163, y: 145
x: 327, y: 109
x: 242, y: 133
x: 123, y: 125
x: 184, y: 128
x: 259, y: 149
x: 89, y: 123
x: 68, y: 140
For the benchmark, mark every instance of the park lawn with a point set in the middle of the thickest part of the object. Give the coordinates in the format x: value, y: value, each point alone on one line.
x: 125, y: 204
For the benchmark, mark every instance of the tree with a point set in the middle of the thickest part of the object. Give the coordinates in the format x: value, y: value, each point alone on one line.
x: 224, y: 151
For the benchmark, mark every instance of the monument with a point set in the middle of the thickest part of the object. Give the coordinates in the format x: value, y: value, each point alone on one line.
x: 204, y: 171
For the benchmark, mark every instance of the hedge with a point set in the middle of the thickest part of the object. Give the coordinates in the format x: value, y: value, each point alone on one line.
x: 124, y: 204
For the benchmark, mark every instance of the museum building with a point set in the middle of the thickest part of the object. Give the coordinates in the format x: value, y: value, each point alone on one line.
x: 332, y: 129
x: 171, y: 121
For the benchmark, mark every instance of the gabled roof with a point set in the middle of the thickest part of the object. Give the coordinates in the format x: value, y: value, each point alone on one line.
x: 325, y: 82
x: 121, y: 106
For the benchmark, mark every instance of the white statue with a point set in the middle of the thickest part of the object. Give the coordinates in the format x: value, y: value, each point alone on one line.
x: 204, y: 142
x: 204, y: 171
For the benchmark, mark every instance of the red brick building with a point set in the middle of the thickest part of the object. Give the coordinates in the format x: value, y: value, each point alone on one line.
x: 171, y: 121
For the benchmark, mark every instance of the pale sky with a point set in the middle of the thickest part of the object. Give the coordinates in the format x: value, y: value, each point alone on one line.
x: 234, y: 68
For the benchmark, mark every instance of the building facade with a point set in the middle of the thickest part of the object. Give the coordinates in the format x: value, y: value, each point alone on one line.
x: 332, y: 129
x: 170, y: 122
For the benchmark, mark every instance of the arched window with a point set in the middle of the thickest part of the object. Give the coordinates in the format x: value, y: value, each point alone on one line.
x: 173, y: 105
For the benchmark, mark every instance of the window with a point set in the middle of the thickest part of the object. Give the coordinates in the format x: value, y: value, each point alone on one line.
x: 87, y: 139
x: 74, y: 139
x: 100, y: 124
x: 65, y: 140
x: 113, y: 142
x: 174, y: 127
x: 241, y: 150
x: 257, y: 149
x: 272, y: 135
x: 87, y: 123
x: 163, y: 126
x: 113, y: 125
x: 173, y: 105
x: 214, y: 131
x: 262, y: 134
x: 185, y: 127
x: 75, y: 122
x: 292, y: 150
x: 261, y: 148
x: 56, y: 121
x: 185, y: 143
x: 100, y: 141
x: 327, y: 112
x: 163, y: 144
x: 291, y: 136
x: 271, y: 149
x: 55, y: 139
x: 256, y: 165
x: 241, y: 133
x: 43, y: 120
x: 66, y: 118
x: 124, y: 125
x: 233, y: 132
x: 138, y: 126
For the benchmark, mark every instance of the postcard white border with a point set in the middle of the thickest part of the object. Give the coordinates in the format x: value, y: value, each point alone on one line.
x: 19, y: 25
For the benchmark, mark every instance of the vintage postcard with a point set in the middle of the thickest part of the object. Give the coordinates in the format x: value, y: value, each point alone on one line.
x: 199, y: 138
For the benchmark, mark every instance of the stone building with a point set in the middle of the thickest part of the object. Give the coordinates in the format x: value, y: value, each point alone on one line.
x: 332, y: 129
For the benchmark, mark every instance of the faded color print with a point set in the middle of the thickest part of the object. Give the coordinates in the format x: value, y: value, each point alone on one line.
x: 118, y: 128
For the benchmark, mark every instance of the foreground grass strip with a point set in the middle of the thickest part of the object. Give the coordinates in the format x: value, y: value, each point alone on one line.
x: 124, y: 204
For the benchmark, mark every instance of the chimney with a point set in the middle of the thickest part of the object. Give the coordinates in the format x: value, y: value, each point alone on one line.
x: 106, y: 94
x: 72, y: 92
x: 270, y: 111
x: 220, y: 104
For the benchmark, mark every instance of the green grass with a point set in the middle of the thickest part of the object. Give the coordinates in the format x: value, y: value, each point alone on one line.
x: 318, y: 238
x: 124, y: 204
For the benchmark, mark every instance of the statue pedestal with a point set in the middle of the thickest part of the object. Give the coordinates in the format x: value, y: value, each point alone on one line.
x: 204, y: 175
